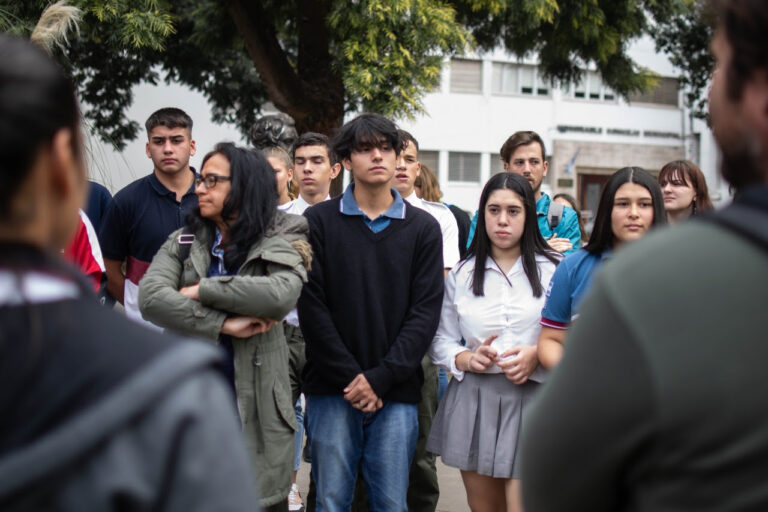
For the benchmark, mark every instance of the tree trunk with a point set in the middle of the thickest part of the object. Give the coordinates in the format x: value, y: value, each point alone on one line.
x: 313, y: 93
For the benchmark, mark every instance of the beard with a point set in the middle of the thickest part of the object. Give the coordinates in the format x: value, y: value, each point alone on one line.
x: 741, y: 163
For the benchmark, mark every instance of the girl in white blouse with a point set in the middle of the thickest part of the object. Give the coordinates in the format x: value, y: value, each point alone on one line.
x: 493, y: 301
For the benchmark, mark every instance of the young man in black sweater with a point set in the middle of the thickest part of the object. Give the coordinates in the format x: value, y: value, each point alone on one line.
x: 368, y: 313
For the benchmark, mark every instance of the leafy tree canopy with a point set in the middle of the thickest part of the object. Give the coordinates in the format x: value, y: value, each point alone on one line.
x: 685, y: 38
x: 316, y: 59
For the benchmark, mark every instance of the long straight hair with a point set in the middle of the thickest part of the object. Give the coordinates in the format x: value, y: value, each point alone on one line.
x: 250, y: 205
x: 602, y: 233
x: 531, y: 242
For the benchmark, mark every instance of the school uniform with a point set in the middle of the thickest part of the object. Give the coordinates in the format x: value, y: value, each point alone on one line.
x: 569, y: 285
x: 477, y: 424
x: 135, y: 225
x: 370, y: 307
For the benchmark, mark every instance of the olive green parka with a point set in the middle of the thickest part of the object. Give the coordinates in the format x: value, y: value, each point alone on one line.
x: 267, y: 285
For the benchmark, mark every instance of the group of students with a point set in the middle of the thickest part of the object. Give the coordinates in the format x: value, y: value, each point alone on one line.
x: 163, y: 421
x: 259, y: 270
x: 498, y: 325
x: 497, y: 320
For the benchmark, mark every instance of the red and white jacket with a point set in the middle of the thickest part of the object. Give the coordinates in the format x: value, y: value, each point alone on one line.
x: 85, y: 252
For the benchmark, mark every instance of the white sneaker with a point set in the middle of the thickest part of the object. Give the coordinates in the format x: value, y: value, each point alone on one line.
x: 294, y: 499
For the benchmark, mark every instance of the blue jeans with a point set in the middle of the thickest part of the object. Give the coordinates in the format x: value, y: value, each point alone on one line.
x: 442, y: 384
x: 299, y: 434
x: 343, y: 438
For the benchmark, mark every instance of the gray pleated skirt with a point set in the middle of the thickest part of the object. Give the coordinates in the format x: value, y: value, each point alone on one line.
x: 477, y: 425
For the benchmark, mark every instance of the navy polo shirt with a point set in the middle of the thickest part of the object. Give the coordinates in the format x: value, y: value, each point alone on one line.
x: 138, y: 221
x: 98, y: 200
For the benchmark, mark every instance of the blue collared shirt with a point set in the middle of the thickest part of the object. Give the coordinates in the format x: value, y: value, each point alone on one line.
x: 348, y: 206
x: 571, y: 281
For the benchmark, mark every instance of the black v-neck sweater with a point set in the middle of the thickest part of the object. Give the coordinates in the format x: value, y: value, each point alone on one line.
x: 372, y: 303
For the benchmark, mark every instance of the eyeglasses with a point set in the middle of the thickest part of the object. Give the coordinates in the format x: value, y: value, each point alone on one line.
x: 210, y: 180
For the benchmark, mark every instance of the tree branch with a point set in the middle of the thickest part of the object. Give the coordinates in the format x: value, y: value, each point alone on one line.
x: 315, y: 97
x: 283, y: 85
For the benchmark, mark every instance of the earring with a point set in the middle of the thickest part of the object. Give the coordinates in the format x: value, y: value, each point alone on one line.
x: 693, y: 204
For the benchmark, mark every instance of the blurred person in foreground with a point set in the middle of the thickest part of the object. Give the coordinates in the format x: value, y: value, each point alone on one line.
x: 96, y: 412
x: 660, y: 401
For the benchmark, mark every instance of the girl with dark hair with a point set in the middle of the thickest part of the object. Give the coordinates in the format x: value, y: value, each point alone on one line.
x: 230, y: 276
x: 630, y: 205
x: 685, y: 190
x: 493, y: 301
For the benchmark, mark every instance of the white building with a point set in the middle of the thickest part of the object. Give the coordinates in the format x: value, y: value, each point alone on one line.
x: 481, y: 101
x: 484, y: 99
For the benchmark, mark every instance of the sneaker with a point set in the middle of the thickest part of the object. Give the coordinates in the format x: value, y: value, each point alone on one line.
x: 294, y: 500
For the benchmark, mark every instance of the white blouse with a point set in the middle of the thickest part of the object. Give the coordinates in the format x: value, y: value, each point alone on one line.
x: 512, y: 312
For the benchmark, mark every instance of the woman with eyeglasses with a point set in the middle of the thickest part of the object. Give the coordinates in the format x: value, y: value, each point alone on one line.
x: 230, y: 276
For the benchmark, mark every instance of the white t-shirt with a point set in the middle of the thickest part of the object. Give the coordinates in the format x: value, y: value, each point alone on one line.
x: 448, y: 227
x: 512, y: 312
x: 298, y: 205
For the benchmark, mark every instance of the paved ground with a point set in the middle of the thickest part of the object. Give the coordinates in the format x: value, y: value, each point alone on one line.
x: 452, y: 495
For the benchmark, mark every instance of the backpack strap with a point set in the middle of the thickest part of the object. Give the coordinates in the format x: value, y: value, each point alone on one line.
x: 555, y: 214
x: 186, y: 239
x: 748, y: 221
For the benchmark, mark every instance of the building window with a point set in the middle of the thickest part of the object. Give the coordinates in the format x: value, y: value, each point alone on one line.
x: 430, y: 159
x: 518, y: 79
x: 665, y: 93
x: 497, y: 165
x: 591, y: 87
x: 466, y: 76
x: 464, y: 167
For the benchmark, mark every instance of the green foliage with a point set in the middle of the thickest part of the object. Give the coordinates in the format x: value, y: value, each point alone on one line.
x: 568, y: 35
x: 685, y: 38
x: 117, y: 49
x: 136, y: 24
x: 19, y: 18
x: 318, y: 59
x: 211, y: 59
x: 390, y: 53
